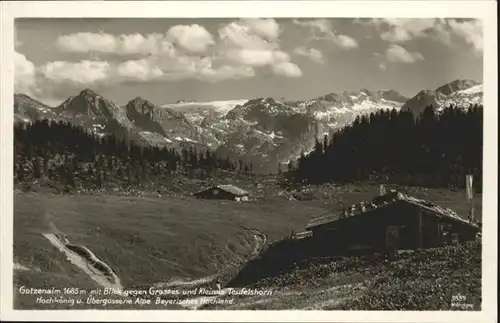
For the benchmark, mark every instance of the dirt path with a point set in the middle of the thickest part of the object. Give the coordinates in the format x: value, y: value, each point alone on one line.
x: 84, y: 259
x: 198, y: 302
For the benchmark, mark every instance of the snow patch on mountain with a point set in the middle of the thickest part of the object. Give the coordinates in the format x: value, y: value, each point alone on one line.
x: 263, y: 131
x: 459, y: 93
x: 219, y: 106
x: 472, y: 90
x: 338, y: 110
x: 196, y: 112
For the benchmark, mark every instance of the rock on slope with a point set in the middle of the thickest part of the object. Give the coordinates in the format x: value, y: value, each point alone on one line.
x: 160, y: 126
x: 264, y: 131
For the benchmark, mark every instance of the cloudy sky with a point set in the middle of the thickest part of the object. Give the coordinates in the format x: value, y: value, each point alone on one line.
x: 165, y: 60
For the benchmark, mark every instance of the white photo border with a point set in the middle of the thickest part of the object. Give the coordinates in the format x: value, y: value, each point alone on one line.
x: 484, y: 10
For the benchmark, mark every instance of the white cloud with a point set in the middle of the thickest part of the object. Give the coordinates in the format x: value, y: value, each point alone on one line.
x: 179, y: 54
x: 396, y: 35
x: 238, y: 34
x: 140, y: 70
x: 323, y: 25
x: 404, y: 29
x: 175, y: 55
x: 471, y: 31
x: 193, y: 38
x: 287, y: 69
x: 312, y: 53
x: 256, y: 57
x: 179, y: 68
x: 254, y: 43
x: 346, y: 42
x: 226, y: 73
x: 401, y: 30
x: 24, y: 75
x: 155, y: 69
x: 170, y: 66
x: 84, y: 42
x: 267, y: 29
x: 398, y: 54
x: 190, y: 38
x: 449, y: 31
x: 29, y: 80
x: 325, y: 30
x: 382, y: 66
x: 106, y: 43
x: 140, y: 44
x: 84, y: 72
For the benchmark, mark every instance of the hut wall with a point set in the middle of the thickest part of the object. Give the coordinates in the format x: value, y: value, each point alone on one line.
x: 431, y: 236
x: 416, y: 228
x: 465, y: 232
x: 368, y: 230
x: 433, y: 227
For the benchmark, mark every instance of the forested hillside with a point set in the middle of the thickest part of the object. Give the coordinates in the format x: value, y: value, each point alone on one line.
x: 434, y: 149
x: 72, y: 156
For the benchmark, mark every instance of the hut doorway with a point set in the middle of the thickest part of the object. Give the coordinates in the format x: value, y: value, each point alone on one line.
x: 392, y: 240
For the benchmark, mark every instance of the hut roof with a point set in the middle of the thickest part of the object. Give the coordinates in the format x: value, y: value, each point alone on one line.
x: 382, y: 201
x: 230, y: 189
x: 233, y: 189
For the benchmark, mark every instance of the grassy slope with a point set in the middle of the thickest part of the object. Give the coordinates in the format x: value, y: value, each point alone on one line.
x: 424, y: 280
x: 150, y: 240
x: 144, y: 240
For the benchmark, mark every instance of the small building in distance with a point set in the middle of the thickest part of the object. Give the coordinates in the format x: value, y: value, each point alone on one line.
x: 393, y: 221
x: 223, y: 192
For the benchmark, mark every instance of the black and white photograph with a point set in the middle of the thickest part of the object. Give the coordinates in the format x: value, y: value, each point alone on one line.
x: 251, y: 163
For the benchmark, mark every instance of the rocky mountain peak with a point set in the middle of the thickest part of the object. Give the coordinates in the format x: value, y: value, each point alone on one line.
x: 366, y: 91
x: 457, y: 85
x: 137, y: 99
x: 256, y: 101
x: 184, y: 101
x: 424, y: 93
x: 392, y: 95
x: 153, y: 118
x: 453, y: 93
x: 88, y: 93
x: 331, y: 97
x: 88, y: 103
x: 139, y: 103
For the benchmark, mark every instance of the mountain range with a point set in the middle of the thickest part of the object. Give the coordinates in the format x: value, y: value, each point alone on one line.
x: 263, y: 131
